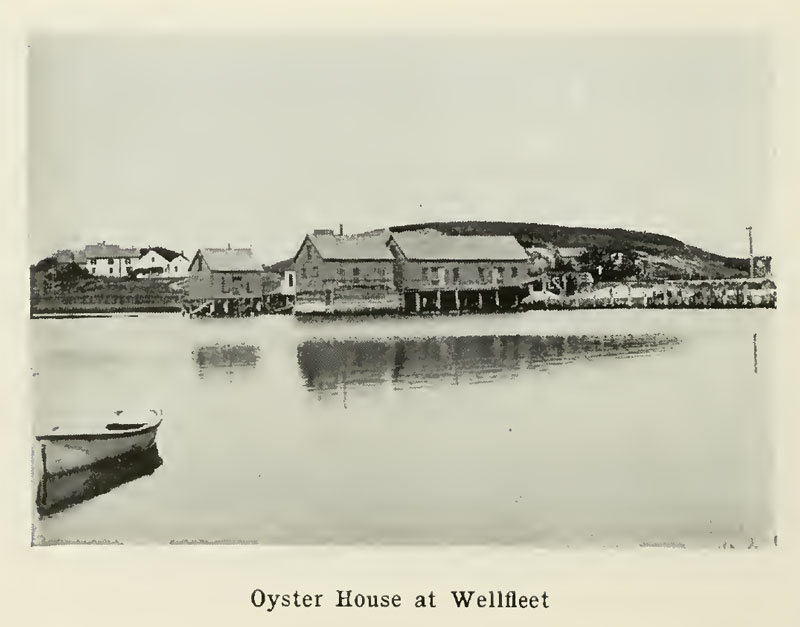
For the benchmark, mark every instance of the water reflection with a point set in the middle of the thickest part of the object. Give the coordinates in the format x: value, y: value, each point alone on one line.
x: 330, y: 366
x: 226, y: 356
x: 57, y: 492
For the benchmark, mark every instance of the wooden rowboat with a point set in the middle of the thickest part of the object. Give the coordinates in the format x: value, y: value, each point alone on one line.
x: 72, y: 449
x: 78, y: 463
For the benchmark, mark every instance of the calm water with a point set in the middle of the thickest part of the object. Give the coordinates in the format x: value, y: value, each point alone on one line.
x: 609, y: 428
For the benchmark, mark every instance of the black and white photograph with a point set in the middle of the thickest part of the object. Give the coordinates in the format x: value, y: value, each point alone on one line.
x: 412, y: 289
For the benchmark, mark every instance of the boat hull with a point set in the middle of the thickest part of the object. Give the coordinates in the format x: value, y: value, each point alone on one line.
x: 74, y: 466
x: 69, y: 453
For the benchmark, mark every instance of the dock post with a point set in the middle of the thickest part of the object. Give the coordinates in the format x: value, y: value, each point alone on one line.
x: 458, y: 302
x: 439, y: 300
x: 480, y: 300
x: 497, y: 298
x: 416, y: 300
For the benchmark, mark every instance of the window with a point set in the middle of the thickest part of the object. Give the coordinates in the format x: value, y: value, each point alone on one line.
x: 456, y: 275
x: 110, y: 261
x: 303, y: 273
x: 152, y: 258
x: 237, y: 277
x: 176, y: 268
x: 291, y: 280
x: 222, y: 283
x: 315, y: 271
x: 199, y: 263
x: 94, y: 270
x: 247, y: 286
x: 356, y: 273
x: 308, y: 252
x: 436, y: 277
x: 340, y: 273
x: 498, y: 275
x: 94, y: 262
x: 425, y: 274
x: 514, y: 271
x: 127, y: 261
x: 111, y: 270
x: 481, y: 274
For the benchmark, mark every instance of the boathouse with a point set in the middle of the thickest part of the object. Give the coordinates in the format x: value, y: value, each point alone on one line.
x: 224, y: 282
x: 339, y: 273
x: 437, y: 272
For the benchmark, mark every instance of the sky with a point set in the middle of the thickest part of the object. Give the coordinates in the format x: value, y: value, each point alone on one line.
x: 185, y: 140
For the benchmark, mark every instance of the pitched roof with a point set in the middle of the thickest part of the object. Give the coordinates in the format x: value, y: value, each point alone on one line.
x: 571, y: 251
x: 103, y: 251
x: 166, y: 253
x: 369, y: 247
x: 431, y: 245
x: 230, y: 260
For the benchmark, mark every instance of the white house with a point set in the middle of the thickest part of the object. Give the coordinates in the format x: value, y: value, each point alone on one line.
x: 160, y: 262
x: 110, y: 260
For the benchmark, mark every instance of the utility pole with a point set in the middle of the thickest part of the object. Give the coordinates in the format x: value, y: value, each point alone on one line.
x: 750, y: 234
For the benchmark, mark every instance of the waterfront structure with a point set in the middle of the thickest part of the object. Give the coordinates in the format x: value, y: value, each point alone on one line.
x: 339, y: 273
x: 109, y: 260
x: 697, y: 293
x: 436, y: 272
x: 160, y: 262
x: 224, y: 281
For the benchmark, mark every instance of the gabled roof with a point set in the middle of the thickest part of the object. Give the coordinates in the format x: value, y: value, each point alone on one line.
x: 567, y: 251
x: 230, y: 259
x: 104, y: 251
x: 166, y: 253
x: 429, y: 245
x: 362, y: 247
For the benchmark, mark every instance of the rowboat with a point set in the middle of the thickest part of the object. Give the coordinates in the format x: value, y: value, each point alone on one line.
x: 67, y: 450
x: 78, y: 463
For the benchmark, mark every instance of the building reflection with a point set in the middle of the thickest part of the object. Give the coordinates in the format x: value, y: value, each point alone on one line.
x: 333, y: 365
x: 226, y: 357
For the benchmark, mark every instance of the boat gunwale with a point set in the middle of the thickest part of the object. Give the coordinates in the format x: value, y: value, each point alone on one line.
x: 99, y: 436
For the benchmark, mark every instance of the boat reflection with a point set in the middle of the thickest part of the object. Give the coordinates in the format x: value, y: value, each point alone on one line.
x: 59, y: 491
x: 331, y: 366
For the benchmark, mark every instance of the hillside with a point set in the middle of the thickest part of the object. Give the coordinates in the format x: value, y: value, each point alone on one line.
x: 667, y: 257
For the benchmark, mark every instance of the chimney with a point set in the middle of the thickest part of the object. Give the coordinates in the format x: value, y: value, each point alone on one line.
x: 229, y: 245
x: 341, y: 230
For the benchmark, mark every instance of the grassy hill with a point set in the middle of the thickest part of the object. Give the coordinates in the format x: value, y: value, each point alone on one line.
x: 667, y: 257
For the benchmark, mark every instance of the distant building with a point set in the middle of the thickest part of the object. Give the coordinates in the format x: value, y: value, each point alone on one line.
x: 160, y: 262
x: 570, y: 253
x: 338, y: 273
x: 110, y: 260
x: 455, y: 272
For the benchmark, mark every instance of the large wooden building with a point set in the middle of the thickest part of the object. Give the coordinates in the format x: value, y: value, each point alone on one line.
x: 338, y: 273
x: 436, y: 272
